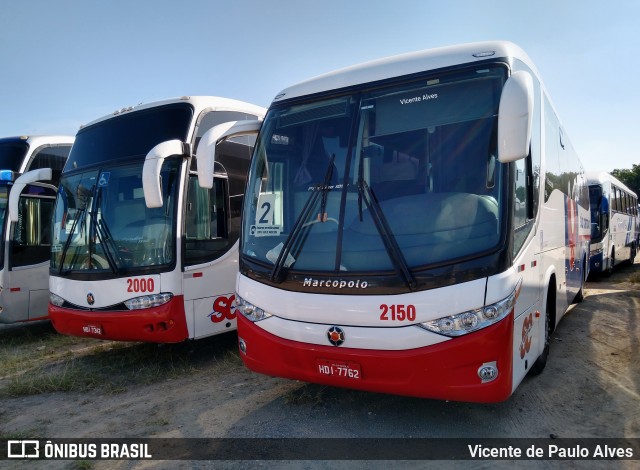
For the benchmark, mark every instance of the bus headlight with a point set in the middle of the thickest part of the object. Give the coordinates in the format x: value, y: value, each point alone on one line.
x: 472, y: 320
x: 56, y: 299
x: 250, y: 311
x: 148, y: 301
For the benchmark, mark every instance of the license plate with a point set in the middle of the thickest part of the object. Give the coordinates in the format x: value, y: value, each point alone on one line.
x: 92, y: 329
x: 347, y: 370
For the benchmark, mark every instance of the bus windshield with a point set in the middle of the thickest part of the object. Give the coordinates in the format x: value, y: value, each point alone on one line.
x: 101, y: 221
x: 397, y: 178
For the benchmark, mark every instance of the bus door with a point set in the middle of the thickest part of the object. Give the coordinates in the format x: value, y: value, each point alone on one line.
x: 29, y: 249
x: 210, y: 257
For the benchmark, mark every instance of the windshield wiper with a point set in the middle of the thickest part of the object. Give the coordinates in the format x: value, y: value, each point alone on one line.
x: 382, y: 225
x: 103, y: 234
x: 79, y: 214
x: 319, y: 190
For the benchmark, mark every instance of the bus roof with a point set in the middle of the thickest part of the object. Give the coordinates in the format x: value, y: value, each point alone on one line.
x: 406, y: 64
x: 200, y: 103
x: 37, y: 140
x: 599, y: 177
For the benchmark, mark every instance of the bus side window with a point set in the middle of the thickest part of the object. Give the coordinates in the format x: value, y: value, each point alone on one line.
x: 521, y: 203
x: 53, y: 157
x: 31, y: 241
x: 206, y: 221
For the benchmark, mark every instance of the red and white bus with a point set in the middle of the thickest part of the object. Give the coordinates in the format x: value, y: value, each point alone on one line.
x: 30, y: 167
x: 142, y: 252
x: 416, y: 225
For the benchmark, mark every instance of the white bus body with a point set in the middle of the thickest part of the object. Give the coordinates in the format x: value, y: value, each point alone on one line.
x: 30, y: 168
x: 614, y: 222
x: 416, y: 225
x: 141, y: 251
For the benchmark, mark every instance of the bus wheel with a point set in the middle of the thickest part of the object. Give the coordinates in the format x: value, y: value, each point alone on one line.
x: 541, y: 362
x: 612, y: 260
x: 632, y: 256
x: 580, y: 295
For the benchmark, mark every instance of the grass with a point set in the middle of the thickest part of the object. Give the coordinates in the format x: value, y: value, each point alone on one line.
x: 19, y: 435
x: 38, y: 360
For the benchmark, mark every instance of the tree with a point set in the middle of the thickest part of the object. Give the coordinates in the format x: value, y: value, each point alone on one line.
x: 629, y: 177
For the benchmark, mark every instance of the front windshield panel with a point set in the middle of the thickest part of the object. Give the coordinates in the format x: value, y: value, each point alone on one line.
x: 12, y: 154
x: 399, y: 178
x: 102, y: 224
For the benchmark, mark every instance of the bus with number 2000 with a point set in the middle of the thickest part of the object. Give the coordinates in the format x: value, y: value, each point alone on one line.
x: 416, y: 225
x: 140, y: 250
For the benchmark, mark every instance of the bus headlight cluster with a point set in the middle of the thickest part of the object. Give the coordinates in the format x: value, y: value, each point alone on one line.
x: 250, y: 311
x: 472, y: 320
x: 148, y: 301
x: 56, y: 299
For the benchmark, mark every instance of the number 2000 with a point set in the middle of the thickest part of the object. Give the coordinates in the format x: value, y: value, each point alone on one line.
x: 140, y: 285
x: 398, y: 312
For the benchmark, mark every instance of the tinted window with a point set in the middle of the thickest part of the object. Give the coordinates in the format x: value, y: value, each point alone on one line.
x: 50, y: 157
x: 11, y: 155
x: 207, y: 222
x: 31, y: 242
x: 130, y: 136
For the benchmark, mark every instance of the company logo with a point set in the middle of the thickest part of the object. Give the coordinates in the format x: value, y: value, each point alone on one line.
x: 335, y: 335
x: 24, y: 449
x: 91, y: 299
x: 336, y: 283
x: 224, y: 308
x: 525, y: 343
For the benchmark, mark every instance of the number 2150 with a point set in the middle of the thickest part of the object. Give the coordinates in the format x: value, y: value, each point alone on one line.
x: 398, y: 312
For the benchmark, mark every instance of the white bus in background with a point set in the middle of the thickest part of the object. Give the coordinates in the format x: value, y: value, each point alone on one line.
x: 30, y: 168
x: 614, y: 222
x: 415, y: 225
x: 141, y: 251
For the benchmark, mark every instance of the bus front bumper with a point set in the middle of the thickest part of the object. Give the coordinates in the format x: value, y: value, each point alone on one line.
x: 447, y: 371
x: 163, y: 324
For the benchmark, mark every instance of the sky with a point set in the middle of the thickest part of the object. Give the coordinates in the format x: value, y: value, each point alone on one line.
x: 64, y: 63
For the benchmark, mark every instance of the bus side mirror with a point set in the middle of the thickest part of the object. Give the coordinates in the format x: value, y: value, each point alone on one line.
x: 151, y: 184
x: 206, y: 151
x: 515, y: 116
x: 19, y: 185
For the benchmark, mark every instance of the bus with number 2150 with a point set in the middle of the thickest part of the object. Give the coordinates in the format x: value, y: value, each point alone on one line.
x: 416, y: 225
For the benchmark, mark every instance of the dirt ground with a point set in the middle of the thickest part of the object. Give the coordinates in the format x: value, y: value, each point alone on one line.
x: 590, y: 389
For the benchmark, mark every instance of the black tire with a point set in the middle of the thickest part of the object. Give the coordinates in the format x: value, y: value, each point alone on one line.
x: 612, y: 261
x: 541, y: 362
x: 580, y: 295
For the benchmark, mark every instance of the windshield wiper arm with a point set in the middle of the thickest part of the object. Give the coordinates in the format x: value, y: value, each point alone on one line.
x: 102, y: 238
x: 85, y: 198
x: 104, y: 234
x: 67, y: 245
x: 320, y: 189
x: 382, y: 225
